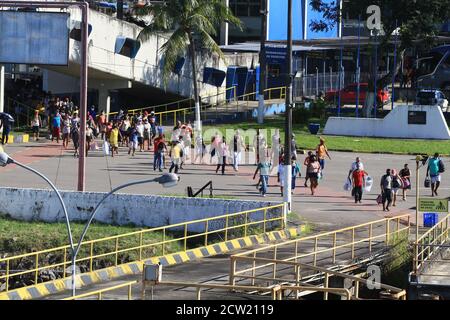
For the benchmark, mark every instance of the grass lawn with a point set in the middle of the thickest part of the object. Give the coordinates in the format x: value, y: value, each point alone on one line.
x: 18, y: 237
x: 307, y: 141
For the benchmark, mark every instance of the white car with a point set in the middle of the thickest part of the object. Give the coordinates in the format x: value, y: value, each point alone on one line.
x: 432, y: 97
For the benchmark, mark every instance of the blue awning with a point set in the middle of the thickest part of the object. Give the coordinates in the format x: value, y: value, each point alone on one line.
x: 127, y: 46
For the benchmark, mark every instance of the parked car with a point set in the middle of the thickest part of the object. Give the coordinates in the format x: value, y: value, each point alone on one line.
x: 348, y: 94
x: 432, y: 98
x: 433, y: 71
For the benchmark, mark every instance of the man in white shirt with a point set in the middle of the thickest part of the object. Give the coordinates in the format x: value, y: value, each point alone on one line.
x: 140, y: 131
x: 355, y: 165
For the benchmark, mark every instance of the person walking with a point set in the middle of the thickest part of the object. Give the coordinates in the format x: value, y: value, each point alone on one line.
x: 386, y: 189
x: 405, y: 174
x: 238, y: 147
x: 358, y: 182
x: 313, y: 171
x: 305, y: 163
x: 264, y: 170
x: 355, y: 165
x: 321, y: 152
x: 295, y: 172
x: 176, y: 152
x: 275, y: 150
x: 434, y: 170
x: 397, y: 184
x: 66, y: 131
x: 114, y: 140
x: 133, y: 139
x: 56, y: 124
x: 223, y: 153
x: 159, y: 148
x: 36, y: 124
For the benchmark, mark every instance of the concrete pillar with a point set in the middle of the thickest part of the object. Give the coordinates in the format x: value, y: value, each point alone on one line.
x: 224, y: 28
x: 104, y: 101
x: 2, y: 90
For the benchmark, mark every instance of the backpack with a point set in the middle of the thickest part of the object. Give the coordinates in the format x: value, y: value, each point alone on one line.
x: 441, y: 166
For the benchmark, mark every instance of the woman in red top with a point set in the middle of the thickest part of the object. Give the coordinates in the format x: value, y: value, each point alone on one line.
x: 358, y: 178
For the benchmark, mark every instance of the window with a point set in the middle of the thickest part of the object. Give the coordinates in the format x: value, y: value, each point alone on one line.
x: 127, y: 47
x: 245, y: 8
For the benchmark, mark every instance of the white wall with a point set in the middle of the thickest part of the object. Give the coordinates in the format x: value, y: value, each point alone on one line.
x: 394, y: 125
x: 121, y: 209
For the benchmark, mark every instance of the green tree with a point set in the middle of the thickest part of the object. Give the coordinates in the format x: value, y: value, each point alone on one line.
x: 418, y: 23
x: 191, y: 23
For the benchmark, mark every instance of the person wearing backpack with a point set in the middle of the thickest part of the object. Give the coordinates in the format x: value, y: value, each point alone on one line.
x: 434, y: 170
x: 386, y: 189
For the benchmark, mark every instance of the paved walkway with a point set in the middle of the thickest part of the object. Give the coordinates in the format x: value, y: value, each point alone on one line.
x: 331, y: 208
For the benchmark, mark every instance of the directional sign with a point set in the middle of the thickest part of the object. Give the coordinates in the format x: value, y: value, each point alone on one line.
x: 433, y: 205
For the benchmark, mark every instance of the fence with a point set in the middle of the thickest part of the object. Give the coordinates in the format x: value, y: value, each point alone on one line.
x: 312, y: 85
x: 430, y: 243
x: 100, y: 293
x: 139, y: 245
x: 344, y: 240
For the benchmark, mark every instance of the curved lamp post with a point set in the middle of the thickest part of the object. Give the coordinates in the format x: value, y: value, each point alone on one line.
x: 167, y: 180
x: 5, y: 160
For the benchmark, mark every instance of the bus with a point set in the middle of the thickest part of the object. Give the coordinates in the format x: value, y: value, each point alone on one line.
x: 433, y: 71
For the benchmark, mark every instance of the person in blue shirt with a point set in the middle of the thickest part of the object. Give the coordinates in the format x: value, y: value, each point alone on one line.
x: 434, y: 172
x: 56, y: 124
x: 133, y: 134
x: 264, y: 170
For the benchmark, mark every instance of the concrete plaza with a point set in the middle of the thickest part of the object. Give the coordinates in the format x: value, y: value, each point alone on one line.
x: 330, y: 208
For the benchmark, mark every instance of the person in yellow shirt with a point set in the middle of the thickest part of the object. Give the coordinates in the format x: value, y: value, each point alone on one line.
x: 176, y: 152
x: 114, y: 139
x: 321, y: 151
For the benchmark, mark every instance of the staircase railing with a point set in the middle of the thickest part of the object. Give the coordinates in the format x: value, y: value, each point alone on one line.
x: 191, y: 193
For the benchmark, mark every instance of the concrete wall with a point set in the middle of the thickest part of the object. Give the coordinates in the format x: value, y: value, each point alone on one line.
x: 145, y: 68
x: 120, y: 209
x: 394, y: 125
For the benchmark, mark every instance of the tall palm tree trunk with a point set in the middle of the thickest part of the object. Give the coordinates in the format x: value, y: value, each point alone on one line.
x: 197, y: 124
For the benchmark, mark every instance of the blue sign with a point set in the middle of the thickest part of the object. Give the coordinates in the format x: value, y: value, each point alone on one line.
x: 276, y: 54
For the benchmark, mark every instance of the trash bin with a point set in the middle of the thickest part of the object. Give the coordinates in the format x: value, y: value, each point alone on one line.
x: 314, y: 128
x: 430, y: 219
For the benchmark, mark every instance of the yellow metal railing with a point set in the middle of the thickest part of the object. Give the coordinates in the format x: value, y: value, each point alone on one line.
x: 342, y: 239
x: 143, y: 244
x: 271, y: 93
x: 276, y: 291
x: 428, y: 244
x: 291, y: 273
x: 100, y: 293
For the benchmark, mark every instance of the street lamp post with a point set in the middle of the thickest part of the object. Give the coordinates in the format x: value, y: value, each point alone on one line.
x: 167, y: 180
x: 5, y: 160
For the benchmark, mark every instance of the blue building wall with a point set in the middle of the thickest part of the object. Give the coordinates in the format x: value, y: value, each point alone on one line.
x: 277, y: 21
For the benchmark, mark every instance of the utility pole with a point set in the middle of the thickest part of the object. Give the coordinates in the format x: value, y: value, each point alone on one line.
x: 288, y: 113
x: 120, y: 9
x: 262, y: 62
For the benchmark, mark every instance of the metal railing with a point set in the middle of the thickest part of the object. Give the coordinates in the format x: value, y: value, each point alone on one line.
x: 191, y: 194
x: 276, y: 291
x: 295, y: 269
x: 100, y: 293
x: 345, y: 240
x: 430, y: 243
x: 143, y: 244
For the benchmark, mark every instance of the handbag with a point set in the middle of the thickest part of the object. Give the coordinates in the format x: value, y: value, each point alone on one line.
x: 347, y: 185
x: 379, y: 199
x: 427, y: 182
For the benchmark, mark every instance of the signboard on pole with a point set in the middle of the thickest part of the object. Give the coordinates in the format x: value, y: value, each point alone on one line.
x: 433, y: 205
x: 34, y: 37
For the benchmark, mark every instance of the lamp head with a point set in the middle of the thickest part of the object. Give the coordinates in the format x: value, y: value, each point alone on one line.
x: 5, y: 159
x: 168, y: 180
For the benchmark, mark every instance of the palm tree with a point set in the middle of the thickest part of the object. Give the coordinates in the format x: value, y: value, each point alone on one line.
x: 186, y: 20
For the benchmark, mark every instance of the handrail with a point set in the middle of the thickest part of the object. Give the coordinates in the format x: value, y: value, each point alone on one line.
x: 325, y: 271
x: 275, y: 290
x: 324, y: 234
x: 100, y: 292
x: 227, y: 224
x: 192, y: 195
x: 429, y: 242
x: 234, y: 98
